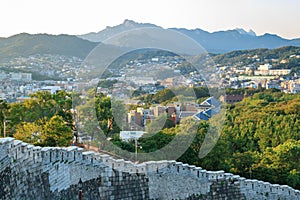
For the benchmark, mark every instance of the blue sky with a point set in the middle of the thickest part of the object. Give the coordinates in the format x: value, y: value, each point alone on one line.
x: 83, y: 16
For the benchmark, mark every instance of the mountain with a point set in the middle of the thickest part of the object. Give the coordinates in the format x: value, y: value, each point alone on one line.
x: 80, y: 46
x: 26, y: 44
x: 243, y: 32
x: 216, y: 42
x: 232, y: 40
x: 111, y: 31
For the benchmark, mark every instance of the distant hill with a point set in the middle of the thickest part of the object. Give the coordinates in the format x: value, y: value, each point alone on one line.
x: 290, y: 55
x: 26, y: 44
x: 261, y: 54
x: 216, y: 42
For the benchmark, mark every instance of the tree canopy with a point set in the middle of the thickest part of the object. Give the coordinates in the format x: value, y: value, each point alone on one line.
x: 46, y: 119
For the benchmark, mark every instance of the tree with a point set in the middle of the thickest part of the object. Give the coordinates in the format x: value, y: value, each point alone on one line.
x: 28, y: 132
x: 56, y: 132
x: 160, y: 123
x: 63, y: 105
x: 119, y: 115
x: 163, y: 95
x: 4, y: 106
x: 103, y: 112
x: 293, y: 178
x: 46, y: 104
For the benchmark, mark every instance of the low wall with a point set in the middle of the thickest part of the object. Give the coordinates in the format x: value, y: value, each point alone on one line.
x: 29, y: 172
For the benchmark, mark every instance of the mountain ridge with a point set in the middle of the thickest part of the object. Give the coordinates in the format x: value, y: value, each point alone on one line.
x: 214, y: 42
x: 25, y: 44
x: 109, y: 31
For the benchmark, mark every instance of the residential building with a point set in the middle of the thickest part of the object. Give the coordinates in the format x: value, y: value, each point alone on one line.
x: 232, y: 98
x: 131, y: 135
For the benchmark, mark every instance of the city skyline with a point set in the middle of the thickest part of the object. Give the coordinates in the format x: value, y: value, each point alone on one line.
x: 78, y: 17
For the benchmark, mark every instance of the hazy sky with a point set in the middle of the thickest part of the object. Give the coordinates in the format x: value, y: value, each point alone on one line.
x: 82, y: 16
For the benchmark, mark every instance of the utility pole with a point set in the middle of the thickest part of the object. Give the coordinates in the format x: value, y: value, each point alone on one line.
x: 4, y: 127
x: 135, y: 141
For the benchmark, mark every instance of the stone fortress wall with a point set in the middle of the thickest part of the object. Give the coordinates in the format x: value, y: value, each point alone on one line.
x: 29, y: 172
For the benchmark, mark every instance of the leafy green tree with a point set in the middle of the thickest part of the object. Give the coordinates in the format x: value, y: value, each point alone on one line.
x: 119, y: 113
x: 163, y: 95
x: 293, y: 178
x: 29, y: 132
x: 46, y: 104
x: 104, y: 112
x: 163, y: 121
x: 158, y: 140
x: 241, y: 163
x: 63, y: 105
x: 123, y: 145
x: 56, y: 132
x: 4, y: 106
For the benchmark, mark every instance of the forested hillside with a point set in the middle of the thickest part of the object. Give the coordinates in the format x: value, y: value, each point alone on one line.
x: 23, y: 45
x: 260, y: 139
x: 281, y: 58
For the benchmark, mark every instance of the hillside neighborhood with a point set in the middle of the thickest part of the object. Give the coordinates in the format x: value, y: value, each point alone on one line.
x: 23, y: 76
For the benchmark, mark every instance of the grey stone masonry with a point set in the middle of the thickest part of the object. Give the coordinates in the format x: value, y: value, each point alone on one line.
x: 30, y: 172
